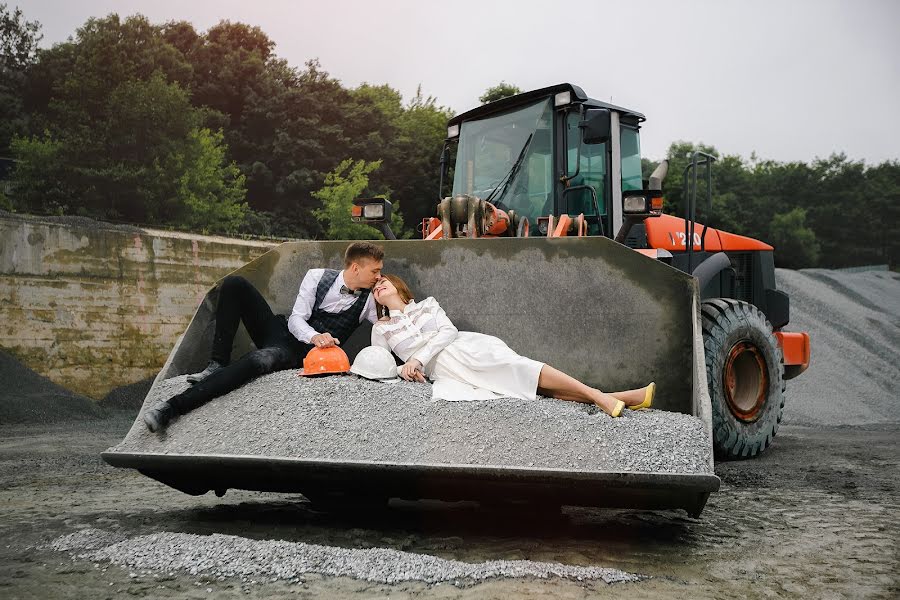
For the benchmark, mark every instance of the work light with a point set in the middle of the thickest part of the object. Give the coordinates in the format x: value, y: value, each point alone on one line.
x: 562, y: 98
x: 642, y: 202
x: 635, y: 204
x: 373, y: 211
x: 370, y: 210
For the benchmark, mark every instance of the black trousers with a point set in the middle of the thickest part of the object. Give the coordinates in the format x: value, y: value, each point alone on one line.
x: 277, y: 348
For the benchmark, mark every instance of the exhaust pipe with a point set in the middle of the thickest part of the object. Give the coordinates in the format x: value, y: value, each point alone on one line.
x: 659, y: 173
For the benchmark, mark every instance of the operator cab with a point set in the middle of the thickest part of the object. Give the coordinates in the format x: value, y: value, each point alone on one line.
x: 549, y: 151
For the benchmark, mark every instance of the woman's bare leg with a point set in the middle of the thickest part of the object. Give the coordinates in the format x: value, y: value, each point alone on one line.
x: 556, y: 384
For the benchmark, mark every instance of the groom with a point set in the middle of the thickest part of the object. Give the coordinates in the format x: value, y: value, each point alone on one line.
x: 329, y: 307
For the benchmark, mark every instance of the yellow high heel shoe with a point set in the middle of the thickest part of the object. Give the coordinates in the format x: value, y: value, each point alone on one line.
x: 648, y: 398
x: 617, y: 411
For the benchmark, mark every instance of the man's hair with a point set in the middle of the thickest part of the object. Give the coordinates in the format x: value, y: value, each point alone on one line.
x: 360, y: 250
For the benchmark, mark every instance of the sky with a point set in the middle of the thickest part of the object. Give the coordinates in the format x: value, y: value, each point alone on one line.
x: 788, y: 80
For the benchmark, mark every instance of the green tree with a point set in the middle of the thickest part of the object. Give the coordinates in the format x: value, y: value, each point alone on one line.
x: 881, y: 199
x: 19, y: 39
x: 833, y: 212
x: 498, y: 92
x: 148, y: 125
x: 73, y: 86
x: 647, y: 167
x: 285, y: 128
x: 347, y: 182
x: 123, y: 140
x: 795, y: 243
x: 210, y: 191
x: 679, y: 155
x: 413, y: 137
x: 18, y: 51
x: 122, y: 167
x: 40, y: 180
x: 230, y: 65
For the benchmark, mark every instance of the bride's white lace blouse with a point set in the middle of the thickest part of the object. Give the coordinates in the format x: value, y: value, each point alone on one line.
x: 421, y: 330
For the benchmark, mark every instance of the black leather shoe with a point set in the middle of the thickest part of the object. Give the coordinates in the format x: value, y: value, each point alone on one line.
x: 157, y: 418
x: 211, y: 368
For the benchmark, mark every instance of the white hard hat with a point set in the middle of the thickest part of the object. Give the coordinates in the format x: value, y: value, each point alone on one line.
x: 375, y: 362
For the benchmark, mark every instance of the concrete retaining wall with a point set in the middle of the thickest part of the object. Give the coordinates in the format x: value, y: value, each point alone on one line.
x: 93, y: 306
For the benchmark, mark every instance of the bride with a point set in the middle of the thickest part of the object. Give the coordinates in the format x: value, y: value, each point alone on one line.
x: 473, y: 366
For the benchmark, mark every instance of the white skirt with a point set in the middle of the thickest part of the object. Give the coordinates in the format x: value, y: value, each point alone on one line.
x: 476, y: 366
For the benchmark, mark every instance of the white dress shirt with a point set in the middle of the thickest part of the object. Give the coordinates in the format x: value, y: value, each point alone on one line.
x: 333, y: 302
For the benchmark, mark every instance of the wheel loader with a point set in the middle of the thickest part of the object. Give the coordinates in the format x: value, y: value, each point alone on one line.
x: 550, y: 240
x: 553, y: 163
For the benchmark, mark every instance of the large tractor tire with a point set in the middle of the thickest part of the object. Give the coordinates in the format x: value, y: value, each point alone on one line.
x: 745, y: 375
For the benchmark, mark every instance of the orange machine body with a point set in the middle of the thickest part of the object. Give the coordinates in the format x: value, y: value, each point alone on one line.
x: 668, y: 233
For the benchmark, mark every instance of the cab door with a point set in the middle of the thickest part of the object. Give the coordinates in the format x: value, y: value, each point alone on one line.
x: 586, y: 170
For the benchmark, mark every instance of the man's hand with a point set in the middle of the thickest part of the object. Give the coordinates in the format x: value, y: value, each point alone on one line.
x: 324, y: 340
x: 412, y: 371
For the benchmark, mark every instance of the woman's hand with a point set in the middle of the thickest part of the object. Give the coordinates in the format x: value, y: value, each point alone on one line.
x: 412, y: 371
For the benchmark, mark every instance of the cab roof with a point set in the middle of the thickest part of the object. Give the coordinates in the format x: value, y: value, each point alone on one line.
x: 578, y: 96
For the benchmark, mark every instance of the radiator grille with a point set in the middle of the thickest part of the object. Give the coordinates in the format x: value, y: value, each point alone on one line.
x: 637, y: 236
x: 742, y: 262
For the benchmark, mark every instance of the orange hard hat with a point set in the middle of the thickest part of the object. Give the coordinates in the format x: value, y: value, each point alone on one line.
x: 325, y: 361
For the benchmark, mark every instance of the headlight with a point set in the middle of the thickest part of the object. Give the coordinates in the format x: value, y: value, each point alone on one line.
x: 453, y: 131
x: 370, y: 210
x: 636, y: 205
x: 373, y: 211
x: 562, y: 98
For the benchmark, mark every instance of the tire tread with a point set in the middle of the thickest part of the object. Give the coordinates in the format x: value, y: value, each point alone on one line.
x: 732, y: 438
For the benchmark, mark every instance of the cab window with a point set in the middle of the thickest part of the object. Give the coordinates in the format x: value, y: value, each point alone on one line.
x: 592, y: 171
x: 629, y: 140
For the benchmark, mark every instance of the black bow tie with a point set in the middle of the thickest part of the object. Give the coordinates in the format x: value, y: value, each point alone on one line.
x: 349, y: 292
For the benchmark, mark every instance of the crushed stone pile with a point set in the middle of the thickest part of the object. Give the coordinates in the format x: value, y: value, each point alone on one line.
x: 26, y: 397
x: 228, y: 556
x: 853, y: 319
x: 127, y: 397
x: 351, y: 418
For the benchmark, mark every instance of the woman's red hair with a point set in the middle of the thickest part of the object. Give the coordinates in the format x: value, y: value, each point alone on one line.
x: 402, y: 291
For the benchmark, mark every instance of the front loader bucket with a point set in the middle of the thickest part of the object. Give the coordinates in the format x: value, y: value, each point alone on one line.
x: 593, y: 308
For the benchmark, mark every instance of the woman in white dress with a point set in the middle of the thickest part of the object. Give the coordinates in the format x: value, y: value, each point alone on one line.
x: 465, y: 365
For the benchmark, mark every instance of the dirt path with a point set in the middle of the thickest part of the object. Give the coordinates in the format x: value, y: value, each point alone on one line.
x: 818, y: 516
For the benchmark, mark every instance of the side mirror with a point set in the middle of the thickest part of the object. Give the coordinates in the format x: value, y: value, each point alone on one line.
x: 595, y: 128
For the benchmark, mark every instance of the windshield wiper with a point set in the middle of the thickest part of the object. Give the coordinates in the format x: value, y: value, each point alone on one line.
x: 506, y: 179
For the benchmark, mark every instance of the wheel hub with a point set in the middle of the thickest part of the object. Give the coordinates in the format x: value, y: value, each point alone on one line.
x: 746, y: 381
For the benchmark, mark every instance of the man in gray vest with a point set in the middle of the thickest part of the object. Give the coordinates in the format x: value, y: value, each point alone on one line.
x: 329, y: 307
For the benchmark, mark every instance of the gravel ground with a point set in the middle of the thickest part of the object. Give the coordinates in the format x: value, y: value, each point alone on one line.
x: 351, y: 418
x: 226, y: 556
x: 816, y: 516
x: 853, y: 320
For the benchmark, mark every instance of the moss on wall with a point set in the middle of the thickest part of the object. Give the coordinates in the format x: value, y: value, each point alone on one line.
x: 94, y: 307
